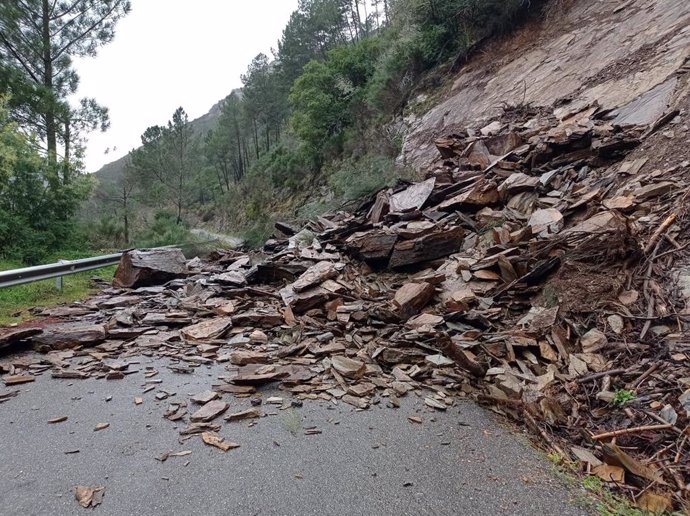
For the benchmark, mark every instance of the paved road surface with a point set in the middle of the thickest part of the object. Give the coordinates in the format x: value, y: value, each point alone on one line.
x: 374, y: 462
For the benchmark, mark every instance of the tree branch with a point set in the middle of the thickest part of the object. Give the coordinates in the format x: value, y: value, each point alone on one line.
x: 19, y: 58
x: 81, y: 36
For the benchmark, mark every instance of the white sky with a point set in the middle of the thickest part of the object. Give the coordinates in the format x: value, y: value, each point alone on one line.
x: 171, y: 53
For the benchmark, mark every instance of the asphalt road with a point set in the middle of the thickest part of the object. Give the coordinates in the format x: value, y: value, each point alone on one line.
x: 373, y: 462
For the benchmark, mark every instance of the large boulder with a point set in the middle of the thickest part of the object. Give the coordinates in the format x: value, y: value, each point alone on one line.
x: 146, y: 268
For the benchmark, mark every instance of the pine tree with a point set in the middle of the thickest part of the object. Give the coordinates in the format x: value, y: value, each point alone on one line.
x: 38, y: 40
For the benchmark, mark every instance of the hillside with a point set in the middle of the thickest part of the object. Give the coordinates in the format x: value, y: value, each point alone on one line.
x: 621, y: 58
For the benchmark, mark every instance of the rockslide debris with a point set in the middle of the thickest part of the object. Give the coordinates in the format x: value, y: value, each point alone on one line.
x: 541, y: 267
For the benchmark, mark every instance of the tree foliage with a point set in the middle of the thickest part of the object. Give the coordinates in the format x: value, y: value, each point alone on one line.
x: 167, y: 165
x: 36, y: 208
x: 38, y: 40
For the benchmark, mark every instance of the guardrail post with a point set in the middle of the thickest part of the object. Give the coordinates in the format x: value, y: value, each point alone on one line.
x: 59, y: 280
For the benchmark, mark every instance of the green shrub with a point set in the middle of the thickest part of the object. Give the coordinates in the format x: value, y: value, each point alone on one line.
x: 162, y: 231
x: 256, y: 234
x: 357, y: 179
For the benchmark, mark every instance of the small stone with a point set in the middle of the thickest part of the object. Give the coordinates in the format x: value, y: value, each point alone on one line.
x: 616, y: 323
x: 593, y: 341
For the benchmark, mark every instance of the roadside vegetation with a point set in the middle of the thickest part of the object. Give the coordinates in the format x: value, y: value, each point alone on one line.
x: 17, y: 303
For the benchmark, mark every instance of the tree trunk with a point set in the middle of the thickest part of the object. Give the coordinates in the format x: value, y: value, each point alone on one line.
x: 366, y: 18
x: 51, y: 128
x: 240, y: 160
x: 126, y: 218
x: 355, y: 19
x: 256, y: 138
x: 66, y: 167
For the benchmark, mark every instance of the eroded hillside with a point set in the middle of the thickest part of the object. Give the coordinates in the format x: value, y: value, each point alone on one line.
x: 628, y: 56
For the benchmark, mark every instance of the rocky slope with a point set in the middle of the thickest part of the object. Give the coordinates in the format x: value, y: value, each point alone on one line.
x: 622, y: 55
x: 541, y: 267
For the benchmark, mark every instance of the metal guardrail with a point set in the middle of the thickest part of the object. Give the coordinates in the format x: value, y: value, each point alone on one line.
x: 67, y: 267
x: 56, y: 270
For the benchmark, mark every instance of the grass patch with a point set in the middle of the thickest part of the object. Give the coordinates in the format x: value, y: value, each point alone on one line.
x: 292, y: 422
x: 609, y: 504
x: 16, y: 302
x: 256, y: 234
x: 594, y: 496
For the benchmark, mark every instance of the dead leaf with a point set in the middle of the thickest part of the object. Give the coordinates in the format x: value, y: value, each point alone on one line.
x: 617, y: 457
x: 655, y: 503
x: 610, y: 473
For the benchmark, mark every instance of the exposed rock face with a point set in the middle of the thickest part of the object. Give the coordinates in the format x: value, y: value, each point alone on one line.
x: 577, y: 56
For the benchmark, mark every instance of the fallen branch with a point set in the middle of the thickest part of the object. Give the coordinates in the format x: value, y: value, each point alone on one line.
x: 660, y: 231
x: 662, y: 421
x: 624, y: 431
x: 530, y: 420
x: 596, y: 376
x: 456, y: 353
x: 681, y: 248
x: 645, y: 375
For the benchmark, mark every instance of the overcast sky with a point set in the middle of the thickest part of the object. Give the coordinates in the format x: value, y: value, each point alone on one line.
x: 171, y: 53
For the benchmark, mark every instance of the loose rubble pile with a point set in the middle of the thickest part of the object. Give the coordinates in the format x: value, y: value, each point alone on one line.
x: 538, y: 268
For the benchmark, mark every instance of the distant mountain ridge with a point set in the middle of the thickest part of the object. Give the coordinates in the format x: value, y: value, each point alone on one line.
x: 110, y: 173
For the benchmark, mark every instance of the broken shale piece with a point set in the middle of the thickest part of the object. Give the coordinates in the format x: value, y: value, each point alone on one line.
x: 209, y: 411
x: 412, y: 297
x: 204, y: 397
x: 89, y: 496
x: 245, y: 414
x: 197, y: 428
x: 348, y: 367
x: 16, y: 379
x: 213, y: 439
x: 434, y: 403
